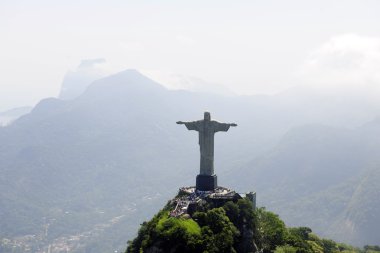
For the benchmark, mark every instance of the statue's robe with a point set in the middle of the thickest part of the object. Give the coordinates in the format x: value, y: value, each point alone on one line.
x: 206, y: 130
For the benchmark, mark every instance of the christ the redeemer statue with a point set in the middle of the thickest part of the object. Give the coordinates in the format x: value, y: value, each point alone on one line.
x: 206, y: 180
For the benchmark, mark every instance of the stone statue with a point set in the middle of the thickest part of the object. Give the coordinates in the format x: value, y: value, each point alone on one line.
x: 207, y: 128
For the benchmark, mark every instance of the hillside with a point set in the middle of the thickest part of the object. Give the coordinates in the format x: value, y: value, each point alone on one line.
x: 233, y: 227
x: 7, y: 117
x: 323, y: 177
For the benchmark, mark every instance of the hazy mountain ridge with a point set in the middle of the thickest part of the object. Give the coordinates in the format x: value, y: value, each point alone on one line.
x: 84, y: 161
x: 360, y: 220
x: 318, y: 175
x: 75, y: 82
x: 7, y: 117
x: 56, y: 160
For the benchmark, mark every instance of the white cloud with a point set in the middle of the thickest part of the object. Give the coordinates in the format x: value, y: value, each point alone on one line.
x: 350, y: 60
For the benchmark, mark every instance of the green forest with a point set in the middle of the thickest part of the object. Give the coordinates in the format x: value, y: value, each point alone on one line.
x: 233, y: 227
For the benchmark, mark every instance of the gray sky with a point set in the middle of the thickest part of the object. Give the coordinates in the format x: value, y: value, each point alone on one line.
x: 249, y: 46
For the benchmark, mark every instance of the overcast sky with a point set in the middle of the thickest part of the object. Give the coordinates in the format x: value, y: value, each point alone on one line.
x: 249, y: 46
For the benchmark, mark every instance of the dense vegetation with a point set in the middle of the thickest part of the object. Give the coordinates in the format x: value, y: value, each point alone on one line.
x: 234, y: 227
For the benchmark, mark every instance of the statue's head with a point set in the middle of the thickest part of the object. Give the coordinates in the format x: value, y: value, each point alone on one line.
x: 207, y: 116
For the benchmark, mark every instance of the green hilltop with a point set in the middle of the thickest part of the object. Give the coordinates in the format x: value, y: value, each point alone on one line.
x: 235, y: 226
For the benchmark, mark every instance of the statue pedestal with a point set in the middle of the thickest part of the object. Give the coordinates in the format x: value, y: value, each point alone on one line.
x: 206, y: 182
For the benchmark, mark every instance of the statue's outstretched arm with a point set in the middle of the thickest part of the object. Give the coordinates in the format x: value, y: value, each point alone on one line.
x: 193, y: 125
x: 223, y: 126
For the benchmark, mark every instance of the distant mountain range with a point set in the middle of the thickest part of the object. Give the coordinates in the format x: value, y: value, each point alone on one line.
x: 7, y: 117
x: 323, y: 177
x: 77, y: 170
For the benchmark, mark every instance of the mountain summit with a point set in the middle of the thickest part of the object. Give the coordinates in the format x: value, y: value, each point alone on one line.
x: 76, y: 81
x: 125, y: 83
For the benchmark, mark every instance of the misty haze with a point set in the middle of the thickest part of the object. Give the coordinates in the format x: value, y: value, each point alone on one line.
x: 89, y: 146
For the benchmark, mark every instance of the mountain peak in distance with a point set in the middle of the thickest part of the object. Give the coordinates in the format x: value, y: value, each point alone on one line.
x: 126, y: 82
x: 76, y: 81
